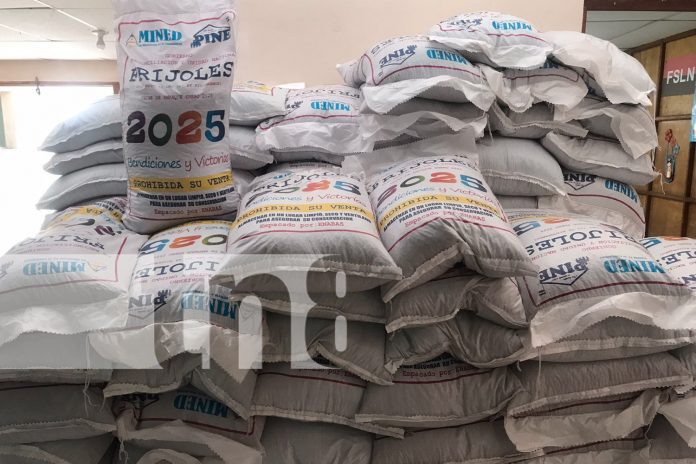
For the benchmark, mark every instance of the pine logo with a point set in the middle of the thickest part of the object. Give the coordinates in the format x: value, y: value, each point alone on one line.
x: 565, y: 274
x: 211, y: 34
x: 469, y: 24
x: 398, y: 57
x: 145, y: 306
x: 578, y: 181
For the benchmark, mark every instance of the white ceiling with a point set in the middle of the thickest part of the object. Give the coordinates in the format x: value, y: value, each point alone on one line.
x: 628, y: 29
x: 62, y: 29
x: 55, y: 29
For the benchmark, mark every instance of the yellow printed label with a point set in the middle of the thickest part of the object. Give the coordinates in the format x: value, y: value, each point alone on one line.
x: 307, y: 208
x: 435, y: 198
x: 88, y: 211
x: 183, y: 185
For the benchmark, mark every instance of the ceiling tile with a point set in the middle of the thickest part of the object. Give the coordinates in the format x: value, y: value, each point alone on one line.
x: 18, y: 4
x: 9, y: 35
x: 45, y: 23
x: 99, y: 4
x: 608, y: 31
x: 652, y: 32
x: 100, y: 18
x: 627, y: 15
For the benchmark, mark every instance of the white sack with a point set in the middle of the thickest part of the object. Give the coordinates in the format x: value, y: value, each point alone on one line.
x: 399, y: 69
x: 100, y: 121
x: 106, y: 152
x: 608, y: 200
x: 253, y: 102
x: 620, y: 76
x: 495, y: 39
x: 590, y: 271
x: 84, y: 185
x: 176, y: 64
x: 600, y: 157
x: 519, y: 167
x: 320, y: 119
x: 434, y: 210
x: 550, y: 83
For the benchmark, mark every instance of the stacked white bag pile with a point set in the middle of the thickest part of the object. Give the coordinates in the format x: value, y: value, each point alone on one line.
x: 88, y: 155
x: 398, y: 288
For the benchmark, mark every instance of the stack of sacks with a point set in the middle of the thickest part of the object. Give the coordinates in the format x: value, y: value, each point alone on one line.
x: 564, y: 89
x: 67, y: 282
x: 88, y: 147
x: 435, y: 212
x: 186, y: 422
x: 602, y: 312
x: 321, y: 123
x: 88, y: 156
x: 678, y: 256
x: 621, y: 131
x: 251, y: 104
x: 415, y: 87
x: 166, y: 394
x: 312, y: 228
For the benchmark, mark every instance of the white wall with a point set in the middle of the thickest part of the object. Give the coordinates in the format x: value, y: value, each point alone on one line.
x: 303, y: 40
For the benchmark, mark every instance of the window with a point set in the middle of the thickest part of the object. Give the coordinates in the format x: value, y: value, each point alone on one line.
x: 27, y: 117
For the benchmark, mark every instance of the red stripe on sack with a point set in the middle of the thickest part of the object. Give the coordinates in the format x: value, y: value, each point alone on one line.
x: 586, y: 403
x: 283, y: 121
x: 115, y: 279
x: 43, y: 385
x: 496, y: 35
x: 408, y: 382
x: 200, y: 424
x: 234, y: 15
x: 309, y: 377
x: 305, y: 232
x: 576, y: 79
x: 610, y: 198
x: 195, y: 218
x: 615, y: 284
x: 448, y: 219
x: 374, y: 81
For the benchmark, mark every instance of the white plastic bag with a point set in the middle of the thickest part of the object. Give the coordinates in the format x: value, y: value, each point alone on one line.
x: 254, y: 102
x: 397, y: 70
x: 73, y: 276
x: 600, y: 157
x: 106, y: 152
x: 608, y: 200
x: 100, y: 121
x: 620, y: 76
x: 633, y: 126
x: 590, y: 271
x: 551, y: 83
x: 87, y: 184
x: 492, y: 38
x: 320, y: 119
x: 246, y: 154
x: 519, y: 167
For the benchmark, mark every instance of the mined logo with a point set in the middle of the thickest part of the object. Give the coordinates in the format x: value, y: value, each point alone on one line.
x: 211, y: 34
x: 150, y: 37
x: 565, y: 274
x: 578, y: 181
x: 398, y: 57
